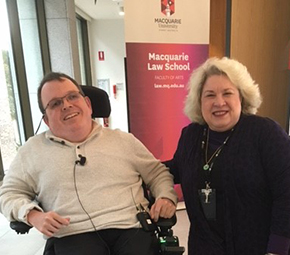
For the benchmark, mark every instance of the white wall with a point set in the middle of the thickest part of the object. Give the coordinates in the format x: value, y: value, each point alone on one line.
x: 108, y: 36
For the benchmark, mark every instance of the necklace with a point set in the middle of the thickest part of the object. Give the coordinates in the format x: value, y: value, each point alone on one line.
x: 209, y: 162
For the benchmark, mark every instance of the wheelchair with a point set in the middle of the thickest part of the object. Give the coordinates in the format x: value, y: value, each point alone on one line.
x: 168, y: 243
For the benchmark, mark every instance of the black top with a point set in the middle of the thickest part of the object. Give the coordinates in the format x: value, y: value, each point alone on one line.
x: 252, y: 177
x: 215, y: 140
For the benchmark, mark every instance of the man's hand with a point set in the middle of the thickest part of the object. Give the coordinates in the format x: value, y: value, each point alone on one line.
x: 47, y: 223
x: 163, y: 207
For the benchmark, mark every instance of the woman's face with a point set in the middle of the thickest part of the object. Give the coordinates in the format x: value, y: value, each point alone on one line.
x: 220, y: 103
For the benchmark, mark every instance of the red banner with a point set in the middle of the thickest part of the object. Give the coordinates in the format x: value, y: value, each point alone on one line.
x: 157, y: 78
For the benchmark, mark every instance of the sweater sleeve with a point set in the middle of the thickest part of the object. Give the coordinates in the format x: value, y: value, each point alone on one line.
x: 17, y: 197
x: 183, y: 151
x: 275, y: 155
x: 174, y: 164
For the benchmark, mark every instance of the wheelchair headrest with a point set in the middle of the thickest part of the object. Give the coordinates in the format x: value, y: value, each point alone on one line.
x: 100, y: 101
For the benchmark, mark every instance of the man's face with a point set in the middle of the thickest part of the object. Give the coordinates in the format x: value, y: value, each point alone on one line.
x: 67, y: 114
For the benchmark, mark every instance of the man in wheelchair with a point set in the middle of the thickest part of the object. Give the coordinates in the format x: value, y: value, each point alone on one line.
x: 87, y: 178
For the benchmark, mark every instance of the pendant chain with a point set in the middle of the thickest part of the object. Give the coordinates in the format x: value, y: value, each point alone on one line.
x: 209, y: 162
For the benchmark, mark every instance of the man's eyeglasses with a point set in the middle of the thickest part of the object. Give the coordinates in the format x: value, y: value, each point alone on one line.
x: 58, y: 102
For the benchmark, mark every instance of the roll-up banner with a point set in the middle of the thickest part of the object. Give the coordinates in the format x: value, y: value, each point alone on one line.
x: 165, y: 41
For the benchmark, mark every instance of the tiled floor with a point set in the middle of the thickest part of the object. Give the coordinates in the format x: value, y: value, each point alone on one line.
x: 33, y: 243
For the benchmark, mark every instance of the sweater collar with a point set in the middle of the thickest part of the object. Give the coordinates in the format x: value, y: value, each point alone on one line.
x: 97, y: 128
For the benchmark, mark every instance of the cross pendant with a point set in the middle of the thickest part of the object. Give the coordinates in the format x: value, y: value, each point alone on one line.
x: 207, y: 191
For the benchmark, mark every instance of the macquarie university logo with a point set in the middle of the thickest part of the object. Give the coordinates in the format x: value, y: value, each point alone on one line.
x: 167, y: 7
x: 168, y: 23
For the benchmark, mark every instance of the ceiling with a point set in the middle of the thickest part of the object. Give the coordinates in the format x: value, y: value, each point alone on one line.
x: 100, y: 9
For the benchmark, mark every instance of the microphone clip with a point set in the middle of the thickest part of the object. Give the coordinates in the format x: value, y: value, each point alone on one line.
x: 81, y: 161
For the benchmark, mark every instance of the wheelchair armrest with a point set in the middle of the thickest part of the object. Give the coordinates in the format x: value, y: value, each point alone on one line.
x: 20, y: 227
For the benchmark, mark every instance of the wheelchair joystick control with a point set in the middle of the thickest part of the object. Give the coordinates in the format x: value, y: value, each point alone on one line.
x: 168, y: 243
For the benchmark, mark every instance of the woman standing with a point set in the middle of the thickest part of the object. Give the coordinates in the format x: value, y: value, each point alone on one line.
x: 233, y: 166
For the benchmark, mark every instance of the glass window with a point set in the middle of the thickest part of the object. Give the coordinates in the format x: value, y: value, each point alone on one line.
x: 32, y: 55
x: 9, y: 118
x: 19, y: 117
x: 81, y: 51
x: 84, y: 52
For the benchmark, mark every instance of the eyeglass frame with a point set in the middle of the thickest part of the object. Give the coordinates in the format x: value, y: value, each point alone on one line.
x: 62, y: 99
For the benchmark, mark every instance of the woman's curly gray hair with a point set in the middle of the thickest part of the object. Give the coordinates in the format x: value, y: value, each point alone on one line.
x: 237, y: 74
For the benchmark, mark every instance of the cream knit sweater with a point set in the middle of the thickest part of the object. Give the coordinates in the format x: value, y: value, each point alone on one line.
x: 108, y: 184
